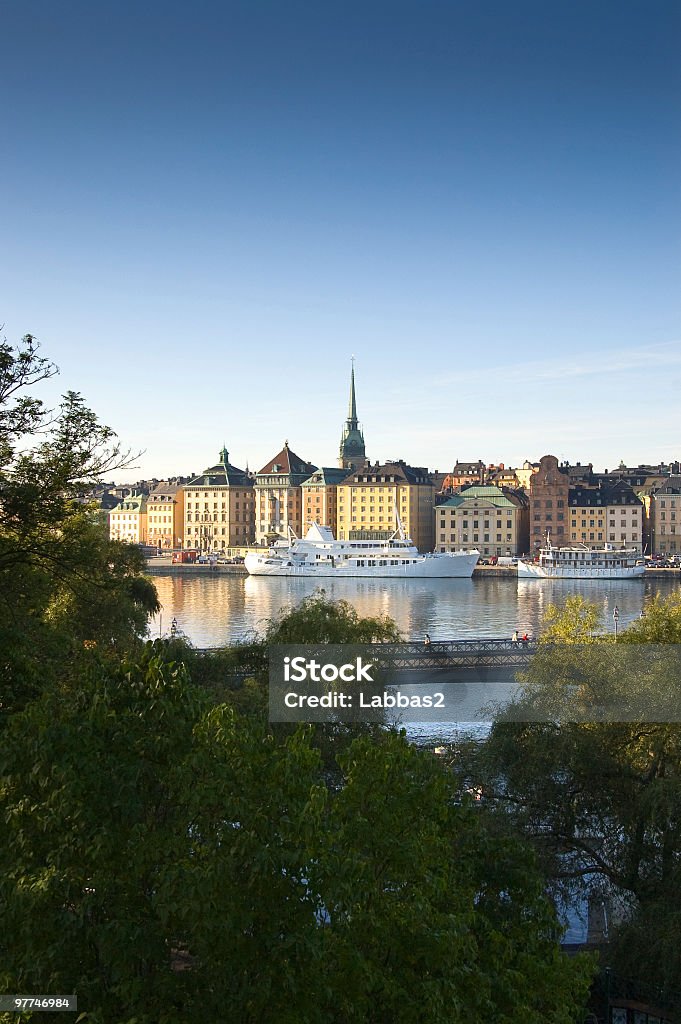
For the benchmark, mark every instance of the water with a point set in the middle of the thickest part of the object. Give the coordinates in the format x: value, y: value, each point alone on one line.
x: 216, y: 609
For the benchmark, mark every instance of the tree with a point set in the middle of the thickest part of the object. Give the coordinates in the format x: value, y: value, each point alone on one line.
x: 240, y: 674
x: 62, y: 582
x: 601, y: 800
x: 316, y: 620
x: 148, y: 829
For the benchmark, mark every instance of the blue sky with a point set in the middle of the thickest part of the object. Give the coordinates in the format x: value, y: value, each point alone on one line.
x: 207, y: 208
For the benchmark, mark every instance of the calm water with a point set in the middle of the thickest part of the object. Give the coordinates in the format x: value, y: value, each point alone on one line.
x: 215, y: 609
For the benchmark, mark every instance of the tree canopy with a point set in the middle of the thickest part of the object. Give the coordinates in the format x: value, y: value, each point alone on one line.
x: 148, y: 830
x: 601, y: 800
x: 63, y: 583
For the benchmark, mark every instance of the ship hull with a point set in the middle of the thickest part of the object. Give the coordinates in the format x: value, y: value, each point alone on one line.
x: 441, y: 566
x: 530, y: 571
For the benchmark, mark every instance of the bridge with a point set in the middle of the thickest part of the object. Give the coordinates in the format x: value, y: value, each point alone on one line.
x: 480, y: 653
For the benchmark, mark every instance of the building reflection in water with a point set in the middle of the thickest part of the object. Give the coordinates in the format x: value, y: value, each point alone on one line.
x: 217, y: 609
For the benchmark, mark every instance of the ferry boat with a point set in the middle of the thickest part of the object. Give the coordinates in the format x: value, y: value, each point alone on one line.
x: 583, y: 563
x: 319, y: 554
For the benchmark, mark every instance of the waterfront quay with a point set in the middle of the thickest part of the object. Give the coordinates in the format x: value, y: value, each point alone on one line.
x: 163, y: 565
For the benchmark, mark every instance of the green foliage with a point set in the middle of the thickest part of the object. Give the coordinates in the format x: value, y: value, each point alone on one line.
x: 146, y: 829
x: 316, y: 620
x: 601, y: 801
x: 575, y: 621
x: 62, y: 582
x: 660, y: 624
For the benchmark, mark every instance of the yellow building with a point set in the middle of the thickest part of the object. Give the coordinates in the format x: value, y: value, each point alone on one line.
x: 279, y: 496
x: 665, y: 518
x: 492, y: 520
x: 219, y: 507
x: 369, y: 499
x: 525, y: 473
x: 128, y: 520
x: 605, y: 515
x: 165, y: 515
x: 320, y: 497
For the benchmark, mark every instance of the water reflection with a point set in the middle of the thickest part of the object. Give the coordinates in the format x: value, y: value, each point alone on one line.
x: 216, y: 609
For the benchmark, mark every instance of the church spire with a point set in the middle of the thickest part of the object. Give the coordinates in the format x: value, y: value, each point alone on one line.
x: 352, y: 406
x: 352, y: 454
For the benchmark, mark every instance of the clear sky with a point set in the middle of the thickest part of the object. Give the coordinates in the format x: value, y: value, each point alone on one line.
x: 206, y: 208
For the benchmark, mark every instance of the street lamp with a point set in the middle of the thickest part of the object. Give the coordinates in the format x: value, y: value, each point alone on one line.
x: 616, y: 617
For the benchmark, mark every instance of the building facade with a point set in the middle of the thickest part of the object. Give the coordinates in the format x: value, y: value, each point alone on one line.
x: 525, y: 473
x: 463, y: 475
x: 369, y: 499
x: 487, y: 518
x: 320, y: 497
x: 606, y: 515
x: 219, y: 507
x: 165, y: 515
x: 128, y: 520
x: 665, y: 518
x: 549, y: 495
x: 279, y: 496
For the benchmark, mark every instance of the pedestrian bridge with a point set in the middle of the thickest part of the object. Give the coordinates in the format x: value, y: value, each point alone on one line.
x: 481, y: 653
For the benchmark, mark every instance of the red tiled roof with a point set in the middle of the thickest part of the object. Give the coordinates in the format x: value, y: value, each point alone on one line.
x: 288, y: 462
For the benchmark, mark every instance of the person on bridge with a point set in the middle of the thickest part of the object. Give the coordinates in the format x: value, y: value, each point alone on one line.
x: 525, y: 638
x: 427, y: 640
x: 514, y: 638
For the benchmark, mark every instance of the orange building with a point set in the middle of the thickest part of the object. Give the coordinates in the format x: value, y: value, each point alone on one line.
x: 320, y: 497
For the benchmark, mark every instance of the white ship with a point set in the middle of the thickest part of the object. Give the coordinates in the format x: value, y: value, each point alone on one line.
x: 583, y: 563
x: 318, y: 554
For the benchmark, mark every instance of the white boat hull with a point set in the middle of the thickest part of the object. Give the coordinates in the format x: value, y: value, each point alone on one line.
x: 445, y: 565
x: 532, y: 571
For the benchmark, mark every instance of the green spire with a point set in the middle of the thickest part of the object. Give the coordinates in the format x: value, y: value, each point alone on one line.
x: 352, y: 453
x: 352, y: 406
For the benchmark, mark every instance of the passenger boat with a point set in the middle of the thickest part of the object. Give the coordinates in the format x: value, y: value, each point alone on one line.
x: 583, y: 563
x: 319, y: 554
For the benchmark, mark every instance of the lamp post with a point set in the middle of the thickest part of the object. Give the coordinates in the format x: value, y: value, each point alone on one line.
x: 616, y: 617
